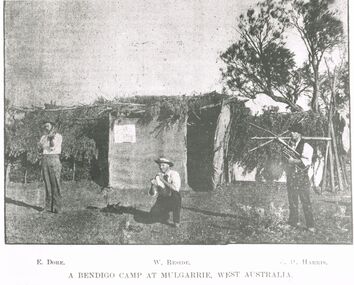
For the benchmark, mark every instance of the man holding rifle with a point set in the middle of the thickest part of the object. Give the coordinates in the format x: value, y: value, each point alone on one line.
x: 298, y: 182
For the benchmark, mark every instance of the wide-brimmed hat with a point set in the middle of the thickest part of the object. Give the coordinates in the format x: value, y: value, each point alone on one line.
x: 164, y: 160
x: 52, y: 122
x: 296, y: 127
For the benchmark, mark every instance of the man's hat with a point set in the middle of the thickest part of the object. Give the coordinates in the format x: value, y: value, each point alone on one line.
x: 164, y: 160
x: 296, y: 127
x: 52, y: 122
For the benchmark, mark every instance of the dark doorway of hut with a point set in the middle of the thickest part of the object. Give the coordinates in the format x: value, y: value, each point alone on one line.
x: 200, y: 148
x: 99, y: 164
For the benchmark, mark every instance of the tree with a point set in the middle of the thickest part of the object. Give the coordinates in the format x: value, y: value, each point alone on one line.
x: 259, y: 62
x: 22, y: 136
x: 340, y: 100
x: 320, y: 31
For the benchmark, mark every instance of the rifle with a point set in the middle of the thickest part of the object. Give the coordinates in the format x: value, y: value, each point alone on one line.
x: 287, y: 150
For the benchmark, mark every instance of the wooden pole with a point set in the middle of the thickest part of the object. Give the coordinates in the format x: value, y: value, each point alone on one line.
x: 74, y: 169
x: 336, y: 158
x: 331, y: 168
x: 288, y: 138
x: 25, y: 181
x: 325, y: 170
x: 8, y: 170
x: 226, y: 170
x: 345, y: 175
x: 330, y: 125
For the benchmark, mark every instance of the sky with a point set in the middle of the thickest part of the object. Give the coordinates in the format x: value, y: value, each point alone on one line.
x: 72, y: 52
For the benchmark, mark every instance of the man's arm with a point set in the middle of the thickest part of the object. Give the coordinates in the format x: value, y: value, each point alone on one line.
x: 57, y: 141
x: 306, y: 157
x: 175, y: 184
x: 40, y: 145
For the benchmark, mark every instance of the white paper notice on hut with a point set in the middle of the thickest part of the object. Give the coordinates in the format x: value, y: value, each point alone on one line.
x: 124, y: 133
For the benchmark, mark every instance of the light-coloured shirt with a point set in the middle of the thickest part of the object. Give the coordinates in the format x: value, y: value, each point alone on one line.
x: 56, y: 148
x: 306, y: 155
x: 173, y: 178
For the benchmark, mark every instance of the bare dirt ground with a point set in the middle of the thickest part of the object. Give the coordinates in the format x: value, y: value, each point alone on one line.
x: 245, y: 212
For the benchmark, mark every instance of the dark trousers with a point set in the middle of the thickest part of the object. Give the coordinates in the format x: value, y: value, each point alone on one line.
x: 164, y: 205
x: 51, y: 169
x: 298, y: 186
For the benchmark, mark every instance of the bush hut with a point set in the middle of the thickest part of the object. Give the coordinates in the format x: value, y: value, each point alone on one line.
x: 191, y: 131
x: 120, y: 139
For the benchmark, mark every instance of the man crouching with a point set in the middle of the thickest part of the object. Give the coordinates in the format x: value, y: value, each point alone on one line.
x: 166, y: 186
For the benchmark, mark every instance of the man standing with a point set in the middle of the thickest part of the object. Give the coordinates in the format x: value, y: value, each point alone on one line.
x: 50, y: 146
x: 298, y: 182
x: 166, y: 185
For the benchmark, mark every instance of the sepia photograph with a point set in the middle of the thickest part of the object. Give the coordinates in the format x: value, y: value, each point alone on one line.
x: 203, y: 122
